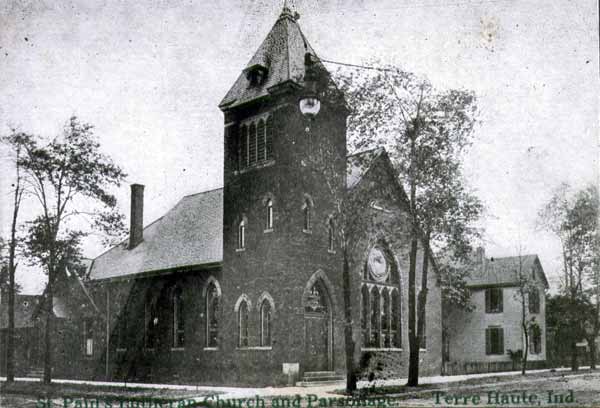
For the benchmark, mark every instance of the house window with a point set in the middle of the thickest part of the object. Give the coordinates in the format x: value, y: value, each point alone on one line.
x: 265, y: 323
x: 494, y: 340
x: 331, y: 235
x: 212, y: 312
x: 269, y: 215
x: 151, y: 323
x: 88, y: 337
x: 242, y: 234
x: 306, y: 211
x: 178, y: 319
x: 493, y: 300
x: 243, y: 324
x: 534, y: 301
x: 256, y: 142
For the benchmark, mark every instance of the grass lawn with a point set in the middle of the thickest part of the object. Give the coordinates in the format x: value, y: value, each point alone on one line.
x: 75, y: 395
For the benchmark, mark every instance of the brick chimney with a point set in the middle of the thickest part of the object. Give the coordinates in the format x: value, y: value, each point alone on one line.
x: 136, y: 230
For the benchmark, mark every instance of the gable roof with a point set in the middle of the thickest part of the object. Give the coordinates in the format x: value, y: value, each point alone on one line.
x: 503, y: 271
x: 358, y: 164
x: 282, y: 54
x: 25, y: 306
x: 189, y: 234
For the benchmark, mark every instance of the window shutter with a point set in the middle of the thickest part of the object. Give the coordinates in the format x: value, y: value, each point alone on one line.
x: 500, y: 341
x: 269, y: 138
x: 500, y: 300
x: 488, y: 341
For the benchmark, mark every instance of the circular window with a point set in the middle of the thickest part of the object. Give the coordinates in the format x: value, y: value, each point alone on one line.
x: 377, y: 265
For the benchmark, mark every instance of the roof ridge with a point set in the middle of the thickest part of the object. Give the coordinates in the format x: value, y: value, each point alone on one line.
x: 202, y: 192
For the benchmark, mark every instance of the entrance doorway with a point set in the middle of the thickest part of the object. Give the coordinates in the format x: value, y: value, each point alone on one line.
x: 318, y: 333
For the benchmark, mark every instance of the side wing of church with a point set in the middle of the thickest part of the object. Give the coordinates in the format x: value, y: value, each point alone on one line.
x: 244, y: 284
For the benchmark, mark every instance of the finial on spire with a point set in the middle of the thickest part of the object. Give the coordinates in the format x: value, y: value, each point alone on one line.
x: 287, y: 12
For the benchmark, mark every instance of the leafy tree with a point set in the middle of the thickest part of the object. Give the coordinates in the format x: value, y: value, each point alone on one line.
x: 573, y: 218
x: 70, y: 179
x: 426, y: 131
x: 15, y: 143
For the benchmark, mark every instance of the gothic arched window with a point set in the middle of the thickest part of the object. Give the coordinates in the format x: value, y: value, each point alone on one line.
x: 269, y: 138
x: 212, y: 315
x: 178, y: 319
x: 330, y: 235
x: 395, y: 332
x: 375, y: 318
x: 364, y: 315
x: 265, y: 323
x: 243, y: 324
x: 260, y: 141
x: 307, y: 215
x: 385, y: 319
x: 241, y: 235
x: 269, y: 214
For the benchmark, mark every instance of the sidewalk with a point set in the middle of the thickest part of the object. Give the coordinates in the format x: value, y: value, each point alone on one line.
x: 320, y: 391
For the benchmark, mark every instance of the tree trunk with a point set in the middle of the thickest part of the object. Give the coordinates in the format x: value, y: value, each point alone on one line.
x: 413, y: 341
x: 349, y: 341
x: 12, y: 267
x: 49, y: 329
x: 422, y: 301
x: 592, y: 343
x: 525, y: 352
x: 574, y: 360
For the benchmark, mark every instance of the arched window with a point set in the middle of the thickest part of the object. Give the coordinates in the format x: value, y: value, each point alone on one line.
x: 265, y: 323
x: 151, y: 322
x: 395, y: 332
x: 306, y: 210
x: 364, y: 315
x: 330, y: 235
x: 242, y: 234
x: 269, y: 214
x: 178, y: 319
x: 252, y: 145
x: 212, y: 315
x: 385, y: 319
x: 375, y: 318
x: 243, y: 146
x: 243, y: 324
x: 269, y: 138
x: 260, y: 141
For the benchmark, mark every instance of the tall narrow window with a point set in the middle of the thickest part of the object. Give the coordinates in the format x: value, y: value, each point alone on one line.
x: 534, y: 301
x: 265, y: 323
x: 151, y: 318
x: 260, y: 141
x: 242, y: 234
x: 88, y: 337
x: 243, y: 147
x: 364, y: 315
x: 385, y: 320
x: 243, y: 325
x: 331, y: 235
x: 178, y: 319
x: 396, y: 320
x: 375, y: 318
x: 269, y: 214
x: 306, y: 209
x: 269, y: 138
x: 494, y: 340
x: 122, y: 333
x: 252, y: 144
x: 212, y: 312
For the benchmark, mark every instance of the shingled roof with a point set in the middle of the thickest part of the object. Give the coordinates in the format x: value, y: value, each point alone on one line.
x: 503, y: 271
x: 281, y: 54
x: 189, y: 234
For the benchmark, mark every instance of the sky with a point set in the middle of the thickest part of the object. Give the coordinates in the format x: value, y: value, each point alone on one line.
x: 149, y: 75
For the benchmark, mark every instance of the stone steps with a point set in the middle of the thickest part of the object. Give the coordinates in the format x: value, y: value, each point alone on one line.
x: 317, y: 378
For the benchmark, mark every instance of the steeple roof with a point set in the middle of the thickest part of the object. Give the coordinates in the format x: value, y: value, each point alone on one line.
x: 281, y: 55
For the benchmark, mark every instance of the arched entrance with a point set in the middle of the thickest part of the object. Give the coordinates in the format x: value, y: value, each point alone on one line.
x: 318, y: 330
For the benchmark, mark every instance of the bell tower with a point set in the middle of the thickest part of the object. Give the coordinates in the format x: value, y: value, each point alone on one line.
x: 276, y: 202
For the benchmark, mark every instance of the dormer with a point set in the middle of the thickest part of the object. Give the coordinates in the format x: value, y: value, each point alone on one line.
x: 256, y: 74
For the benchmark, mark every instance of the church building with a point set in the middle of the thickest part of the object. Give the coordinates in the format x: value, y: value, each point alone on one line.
x: 245, y: 284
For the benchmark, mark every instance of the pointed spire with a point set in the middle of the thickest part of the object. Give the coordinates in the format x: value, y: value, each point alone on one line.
x: 286, y: 11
